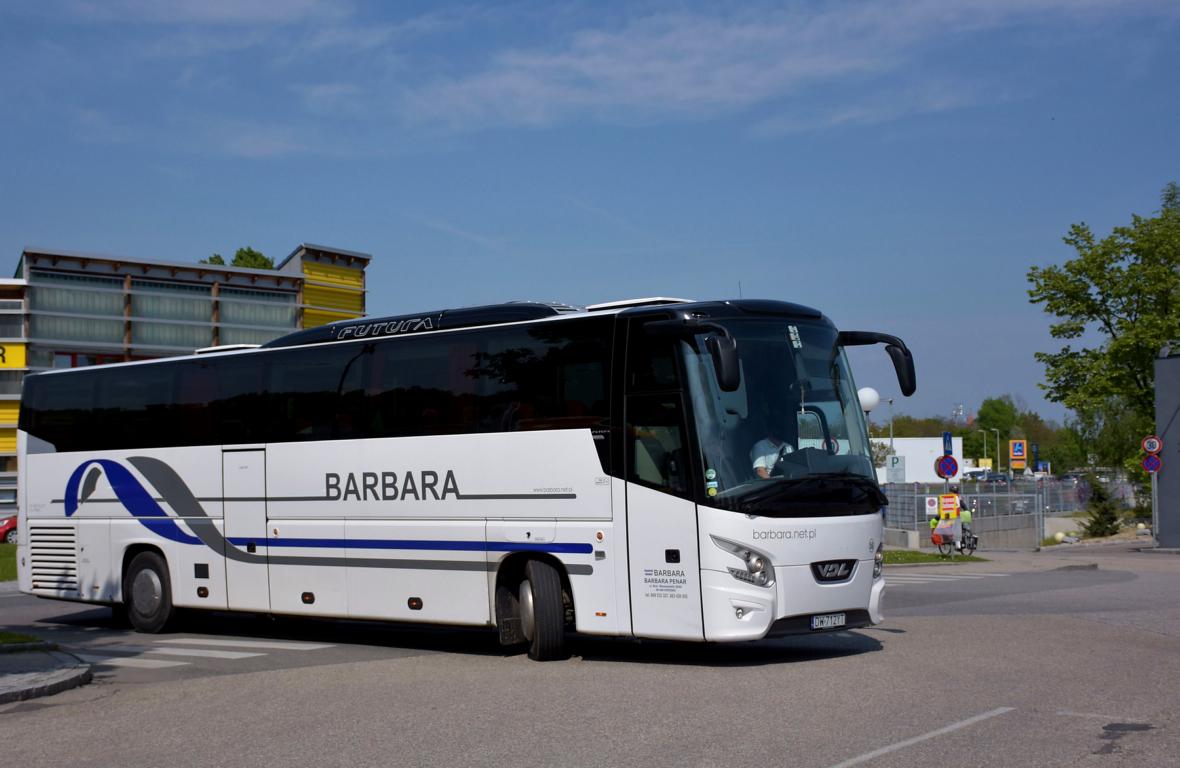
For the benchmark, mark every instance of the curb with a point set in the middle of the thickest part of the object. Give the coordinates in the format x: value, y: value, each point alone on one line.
x: 48, y: 682
x: 40, y: 645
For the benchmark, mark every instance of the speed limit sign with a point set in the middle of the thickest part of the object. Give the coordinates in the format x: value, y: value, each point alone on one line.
x: 1152, y: 444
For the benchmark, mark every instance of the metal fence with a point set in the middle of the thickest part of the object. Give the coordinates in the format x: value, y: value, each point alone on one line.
x: 1004, y: 515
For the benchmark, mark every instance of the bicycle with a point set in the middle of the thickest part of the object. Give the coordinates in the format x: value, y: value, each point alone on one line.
x: 966, y: 545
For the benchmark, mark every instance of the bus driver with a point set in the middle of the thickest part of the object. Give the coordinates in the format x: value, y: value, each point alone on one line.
x: 766, y: 452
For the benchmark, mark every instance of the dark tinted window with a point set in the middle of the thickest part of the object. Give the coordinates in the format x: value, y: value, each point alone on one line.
x: 651, y: 360
x: 317, y: 393
x: 137, y: 406
x: 551, y: 376
x: 548, y: 376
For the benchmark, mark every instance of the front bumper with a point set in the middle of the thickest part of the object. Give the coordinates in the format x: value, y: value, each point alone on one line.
x: 735, y: 611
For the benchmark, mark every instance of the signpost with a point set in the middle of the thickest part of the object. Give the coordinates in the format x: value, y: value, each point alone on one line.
x: 946, y: 467
x: 1152, y: 445
x: 895, y: 469
x: 948, y: 446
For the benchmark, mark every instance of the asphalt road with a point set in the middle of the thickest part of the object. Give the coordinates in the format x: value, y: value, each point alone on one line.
x: 1011, y: 663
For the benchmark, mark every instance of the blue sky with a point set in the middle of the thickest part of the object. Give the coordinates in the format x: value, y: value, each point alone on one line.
x: 899, y: 165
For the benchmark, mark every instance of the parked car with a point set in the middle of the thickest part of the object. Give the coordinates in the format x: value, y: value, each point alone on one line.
x: 8, y: 530
x: 996, y: 477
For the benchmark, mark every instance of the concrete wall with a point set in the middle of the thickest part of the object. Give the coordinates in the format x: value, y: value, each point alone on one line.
x: 920, y: 454
x: 1167, y: 406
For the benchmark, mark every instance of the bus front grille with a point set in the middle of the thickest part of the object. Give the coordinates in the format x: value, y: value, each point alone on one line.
x: 53, y: 557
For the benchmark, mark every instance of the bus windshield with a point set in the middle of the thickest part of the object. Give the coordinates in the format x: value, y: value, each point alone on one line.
x: 791, y: 440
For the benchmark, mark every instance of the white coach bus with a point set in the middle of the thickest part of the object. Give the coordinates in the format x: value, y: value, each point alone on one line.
x: 655, y: 468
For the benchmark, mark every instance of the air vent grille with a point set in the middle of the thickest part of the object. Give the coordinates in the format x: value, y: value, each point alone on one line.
x: 53, y: 556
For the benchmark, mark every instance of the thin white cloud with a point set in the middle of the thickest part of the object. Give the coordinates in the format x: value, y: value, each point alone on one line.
x: 214, y: 12
x: 684, y: 65
x: 441, y: 225
x: 881, y: 106
x: 332, y: 98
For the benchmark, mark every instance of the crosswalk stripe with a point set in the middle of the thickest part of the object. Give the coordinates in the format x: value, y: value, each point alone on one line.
x: 934, y: 577
x: 277, y: 645
x: 901, y: 580
x: 203, y: 653
x: 129, y: 661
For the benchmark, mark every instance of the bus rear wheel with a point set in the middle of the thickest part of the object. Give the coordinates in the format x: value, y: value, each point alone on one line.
x: 147, y: 593
x: 542, y: 613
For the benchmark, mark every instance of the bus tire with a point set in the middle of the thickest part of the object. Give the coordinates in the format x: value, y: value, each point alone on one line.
x: 542, y: 613
x: 147, y: 594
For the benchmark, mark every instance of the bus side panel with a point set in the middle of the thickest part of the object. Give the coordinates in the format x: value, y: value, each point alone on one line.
x: 440, y: 565
x: 664, y: 565
x: 550, y: 475
x: 592, y: 577
x: 107, y: 522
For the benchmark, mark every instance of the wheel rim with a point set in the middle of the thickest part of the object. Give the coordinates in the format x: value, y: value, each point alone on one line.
x: 527, y: 617
x: 147, y: 591
x: 10, y: 537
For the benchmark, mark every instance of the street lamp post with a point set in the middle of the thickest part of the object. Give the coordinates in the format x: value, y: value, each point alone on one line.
x: 890, y: 401
x: 984, y: 433
x: 999, y: 464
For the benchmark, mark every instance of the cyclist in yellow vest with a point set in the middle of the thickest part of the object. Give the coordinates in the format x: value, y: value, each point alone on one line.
x: 964, y: 516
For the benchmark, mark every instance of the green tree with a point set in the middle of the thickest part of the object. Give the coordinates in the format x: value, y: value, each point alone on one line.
x: 1102, y: 516
x: 244, y: 257
x: 1123, y: 291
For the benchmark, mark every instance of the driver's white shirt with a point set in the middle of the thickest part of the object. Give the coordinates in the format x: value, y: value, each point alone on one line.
x: 765, y: 454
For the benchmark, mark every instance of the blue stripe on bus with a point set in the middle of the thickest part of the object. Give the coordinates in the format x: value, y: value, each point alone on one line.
x: 453, y: 546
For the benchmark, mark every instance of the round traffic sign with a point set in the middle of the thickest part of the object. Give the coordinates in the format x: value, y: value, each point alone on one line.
x: 1152, y: 444
x: 946, y: 466
x: 1152, y: 464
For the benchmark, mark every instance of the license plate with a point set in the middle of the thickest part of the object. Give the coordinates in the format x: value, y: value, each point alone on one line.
x: 827, y: 621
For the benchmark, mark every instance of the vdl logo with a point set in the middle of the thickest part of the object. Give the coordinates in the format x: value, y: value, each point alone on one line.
x: 833, y: 570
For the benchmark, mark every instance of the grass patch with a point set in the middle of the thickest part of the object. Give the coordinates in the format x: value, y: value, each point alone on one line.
x: 7, y: 638
x: 7, y: 562
x: 906, y: 556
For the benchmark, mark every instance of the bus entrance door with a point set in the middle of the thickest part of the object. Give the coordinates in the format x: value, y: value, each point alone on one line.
x: 244, y: 490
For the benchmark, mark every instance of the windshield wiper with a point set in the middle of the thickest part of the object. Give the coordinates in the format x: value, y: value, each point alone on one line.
x: 815, y: 481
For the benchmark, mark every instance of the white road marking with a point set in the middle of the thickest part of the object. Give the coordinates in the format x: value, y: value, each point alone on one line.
x: 202, y: 653
x: 278, y: 645
x: 924, y: 737
x: 129, y: 661
x: 902, y: 579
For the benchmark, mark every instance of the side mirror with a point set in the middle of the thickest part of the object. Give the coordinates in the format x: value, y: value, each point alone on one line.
x: 903, y: 364
x: 723, y: 350
x: 899, y: 353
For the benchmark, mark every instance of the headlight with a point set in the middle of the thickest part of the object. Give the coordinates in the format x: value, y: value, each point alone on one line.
x: 879, y: 561
x: 757, y: 570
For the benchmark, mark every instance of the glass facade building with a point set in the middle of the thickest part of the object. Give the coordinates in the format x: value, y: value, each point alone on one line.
x: 65, y: 309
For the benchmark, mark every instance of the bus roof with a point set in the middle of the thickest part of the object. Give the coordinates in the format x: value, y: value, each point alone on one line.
x: 519, y: 311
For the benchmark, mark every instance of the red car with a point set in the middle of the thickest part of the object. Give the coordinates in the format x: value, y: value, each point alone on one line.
x: 8, y: 529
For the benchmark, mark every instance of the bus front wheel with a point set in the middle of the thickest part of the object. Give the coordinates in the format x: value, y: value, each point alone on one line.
x: 147, y: 593
x: 542, y: 613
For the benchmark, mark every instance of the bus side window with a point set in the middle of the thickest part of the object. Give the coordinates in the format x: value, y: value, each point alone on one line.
x: 655, y: 434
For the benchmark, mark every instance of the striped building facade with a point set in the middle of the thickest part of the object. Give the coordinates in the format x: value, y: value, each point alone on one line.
x: 65, y: 309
